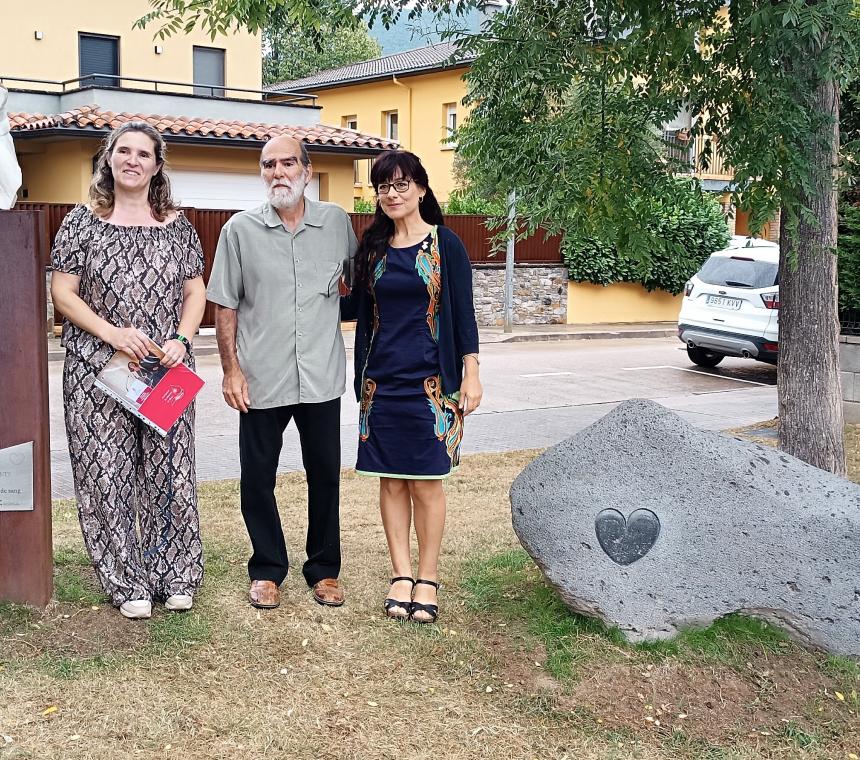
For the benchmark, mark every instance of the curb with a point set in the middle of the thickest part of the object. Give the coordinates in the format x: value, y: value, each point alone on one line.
x: 490, y: 338
x: 604, y: 335
x: 58, y: 356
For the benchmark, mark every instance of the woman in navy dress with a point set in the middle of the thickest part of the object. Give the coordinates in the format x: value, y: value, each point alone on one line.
x: 416, y: 368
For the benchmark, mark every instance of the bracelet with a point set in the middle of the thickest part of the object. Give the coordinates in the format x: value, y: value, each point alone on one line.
x: 182, y: 339
x: 475, y: 357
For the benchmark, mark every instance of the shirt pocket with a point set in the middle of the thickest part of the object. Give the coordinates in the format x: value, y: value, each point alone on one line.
x: 327, y: 277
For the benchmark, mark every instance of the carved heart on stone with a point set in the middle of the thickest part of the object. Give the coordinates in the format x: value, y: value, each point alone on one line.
x: 626, y: 539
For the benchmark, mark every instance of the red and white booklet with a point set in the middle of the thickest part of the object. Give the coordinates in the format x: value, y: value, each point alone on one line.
x: 156, y: 394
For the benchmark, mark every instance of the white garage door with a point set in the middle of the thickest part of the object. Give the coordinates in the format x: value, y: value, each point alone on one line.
x: 230, y: 190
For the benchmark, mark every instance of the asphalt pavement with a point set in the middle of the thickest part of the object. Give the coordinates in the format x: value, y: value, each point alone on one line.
x: 541, y: 385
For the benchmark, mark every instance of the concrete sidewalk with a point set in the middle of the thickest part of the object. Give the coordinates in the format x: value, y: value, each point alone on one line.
x: 204, y: 343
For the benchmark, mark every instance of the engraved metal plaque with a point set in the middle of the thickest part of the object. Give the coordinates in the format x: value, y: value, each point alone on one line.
x: 16, y: 478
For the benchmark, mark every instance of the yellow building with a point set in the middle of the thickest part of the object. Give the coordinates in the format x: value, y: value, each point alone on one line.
x: 413, y: 97
x: 76, y: 68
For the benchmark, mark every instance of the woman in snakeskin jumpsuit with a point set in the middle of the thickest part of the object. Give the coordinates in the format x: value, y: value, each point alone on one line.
x: 127, y: 268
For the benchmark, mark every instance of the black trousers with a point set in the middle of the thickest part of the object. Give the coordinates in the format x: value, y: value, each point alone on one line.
x: 261, y: 434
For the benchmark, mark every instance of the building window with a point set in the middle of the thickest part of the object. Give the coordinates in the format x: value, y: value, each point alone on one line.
x: 351, y: 122
x: 208, y: 71
x: 98, y: 54
x: 391, y: 125
x: 450, y: 122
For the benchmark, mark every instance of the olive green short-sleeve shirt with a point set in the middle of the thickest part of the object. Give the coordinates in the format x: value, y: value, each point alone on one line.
x: 285, y: 287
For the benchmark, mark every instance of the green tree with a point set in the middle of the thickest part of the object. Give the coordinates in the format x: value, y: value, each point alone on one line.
x: 216, y: 17
x: 687, y: 227
x: 561, y: 91
x: 295, y: 50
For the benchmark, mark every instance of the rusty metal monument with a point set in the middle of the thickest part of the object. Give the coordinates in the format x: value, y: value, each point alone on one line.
x: 26, y: 568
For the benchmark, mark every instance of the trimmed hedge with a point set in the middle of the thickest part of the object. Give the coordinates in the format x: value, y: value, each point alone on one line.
x: 849, y: 257
x: 685, y: 229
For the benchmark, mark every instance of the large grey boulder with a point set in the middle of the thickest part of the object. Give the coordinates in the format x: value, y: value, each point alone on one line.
x: 653, y: 525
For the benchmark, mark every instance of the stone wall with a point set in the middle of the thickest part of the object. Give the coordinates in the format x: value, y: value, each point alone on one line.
x: 849, y: 364
x: 540, y: 295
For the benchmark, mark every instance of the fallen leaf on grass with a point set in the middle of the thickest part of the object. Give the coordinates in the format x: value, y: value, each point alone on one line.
x: 839, y: 695
x: 49, y: 710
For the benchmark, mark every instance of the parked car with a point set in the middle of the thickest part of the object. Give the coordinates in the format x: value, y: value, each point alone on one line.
x: 731, y: 305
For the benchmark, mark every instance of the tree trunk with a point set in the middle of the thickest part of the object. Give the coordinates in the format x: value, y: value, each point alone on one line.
x: 810, y: 401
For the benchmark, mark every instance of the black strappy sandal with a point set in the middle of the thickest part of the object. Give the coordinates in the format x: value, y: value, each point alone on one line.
x: 431, y: 609
x: 389, y: 604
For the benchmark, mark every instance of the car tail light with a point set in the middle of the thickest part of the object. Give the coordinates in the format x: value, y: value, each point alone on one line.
x: 770, y: 347
x: 688, y: 288
x: 771, y: 300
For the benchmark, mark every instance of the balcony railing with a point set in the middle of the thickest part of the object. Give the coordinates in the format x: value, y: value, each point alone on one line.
x: 687, y: 154
x: 717, y: 168
x: 166, y: 86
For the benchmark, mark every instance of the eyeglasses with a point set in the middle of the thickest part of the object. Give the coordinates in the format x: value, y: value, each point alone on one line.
x: 399, y: 185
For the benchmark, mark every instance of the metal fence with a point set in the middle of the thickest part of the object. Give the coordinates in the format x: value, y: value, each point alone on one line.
x: 472, y: 230
x: 849, y: 321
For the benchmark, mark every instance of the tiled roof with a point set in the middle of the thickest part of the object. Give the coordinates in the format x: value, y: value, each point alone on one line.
x: 406, y: 62
x: 95, y: 118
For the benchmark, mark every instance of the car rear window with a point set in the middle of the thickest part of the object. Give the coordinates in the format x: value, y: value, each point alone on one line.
x: 739, y: 272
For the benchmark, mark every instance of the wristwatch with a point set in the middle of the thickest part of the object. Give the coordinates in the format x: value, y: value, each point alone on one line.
x: 182, y: 339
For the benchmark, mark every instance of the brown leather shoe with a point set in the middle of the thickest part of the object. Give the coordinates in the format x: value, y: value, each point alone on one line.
x: 264, y: 594
x: 328, y: 592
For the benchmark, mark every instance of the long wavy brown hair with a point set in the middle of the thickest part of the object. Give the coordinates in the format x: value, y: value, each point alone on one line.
x: 102, y: 197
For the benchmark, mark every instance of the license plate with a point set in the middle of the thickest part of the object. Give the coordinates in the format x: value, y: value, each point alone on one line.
x: 724, y: 302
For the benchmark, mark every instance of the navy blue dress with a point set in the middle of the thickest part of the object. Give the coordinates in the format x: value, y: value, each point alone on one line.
x: 407, y: 427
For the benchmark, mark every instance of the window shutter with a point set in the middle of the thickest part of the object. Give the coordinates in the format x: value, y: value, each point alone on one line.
x: 208, y: 70
x: 98, y: 55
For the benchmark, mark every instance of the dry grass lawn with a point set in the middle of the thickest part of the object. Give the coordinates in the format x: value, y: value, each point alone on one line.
x: 506, y: 673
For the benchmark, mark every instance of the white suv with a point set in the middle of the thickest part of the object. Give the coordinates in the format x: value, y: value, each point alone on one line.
x: 731, y: 305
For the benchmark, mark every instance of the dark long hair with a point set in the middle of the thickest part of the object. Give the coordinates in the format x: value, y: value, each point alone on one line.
x: 374, y: 241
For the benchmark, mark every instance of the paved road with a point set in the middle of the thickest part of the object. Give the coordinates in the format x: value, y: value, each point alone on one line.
x: 535, y: 394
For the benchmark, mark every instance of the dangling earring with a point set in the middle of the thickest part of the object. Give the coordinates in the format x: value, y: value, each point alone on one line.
x: 421, y: 199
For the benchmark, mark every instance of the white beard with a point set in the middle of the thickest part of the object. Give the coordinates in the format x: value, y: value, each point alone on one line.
x: 287, y: 197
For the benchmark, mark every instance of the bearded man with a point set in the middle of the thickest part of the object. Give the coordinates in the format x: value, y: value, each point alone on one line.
x: 275, y: 281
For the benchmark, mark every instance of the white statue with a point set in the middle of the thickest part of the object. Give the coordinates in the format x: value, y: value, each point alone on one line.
x: 10, y: 172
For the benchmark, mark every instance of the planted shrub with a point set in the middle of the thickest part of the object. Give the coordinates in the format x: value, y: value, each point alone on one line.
x: 849, y: 257
x: 684, y: 231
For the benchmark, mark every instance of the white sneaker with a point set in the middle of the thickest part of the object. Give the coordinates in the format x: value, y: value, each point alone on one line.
x: 136, y: 608
x: 179, y: 602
